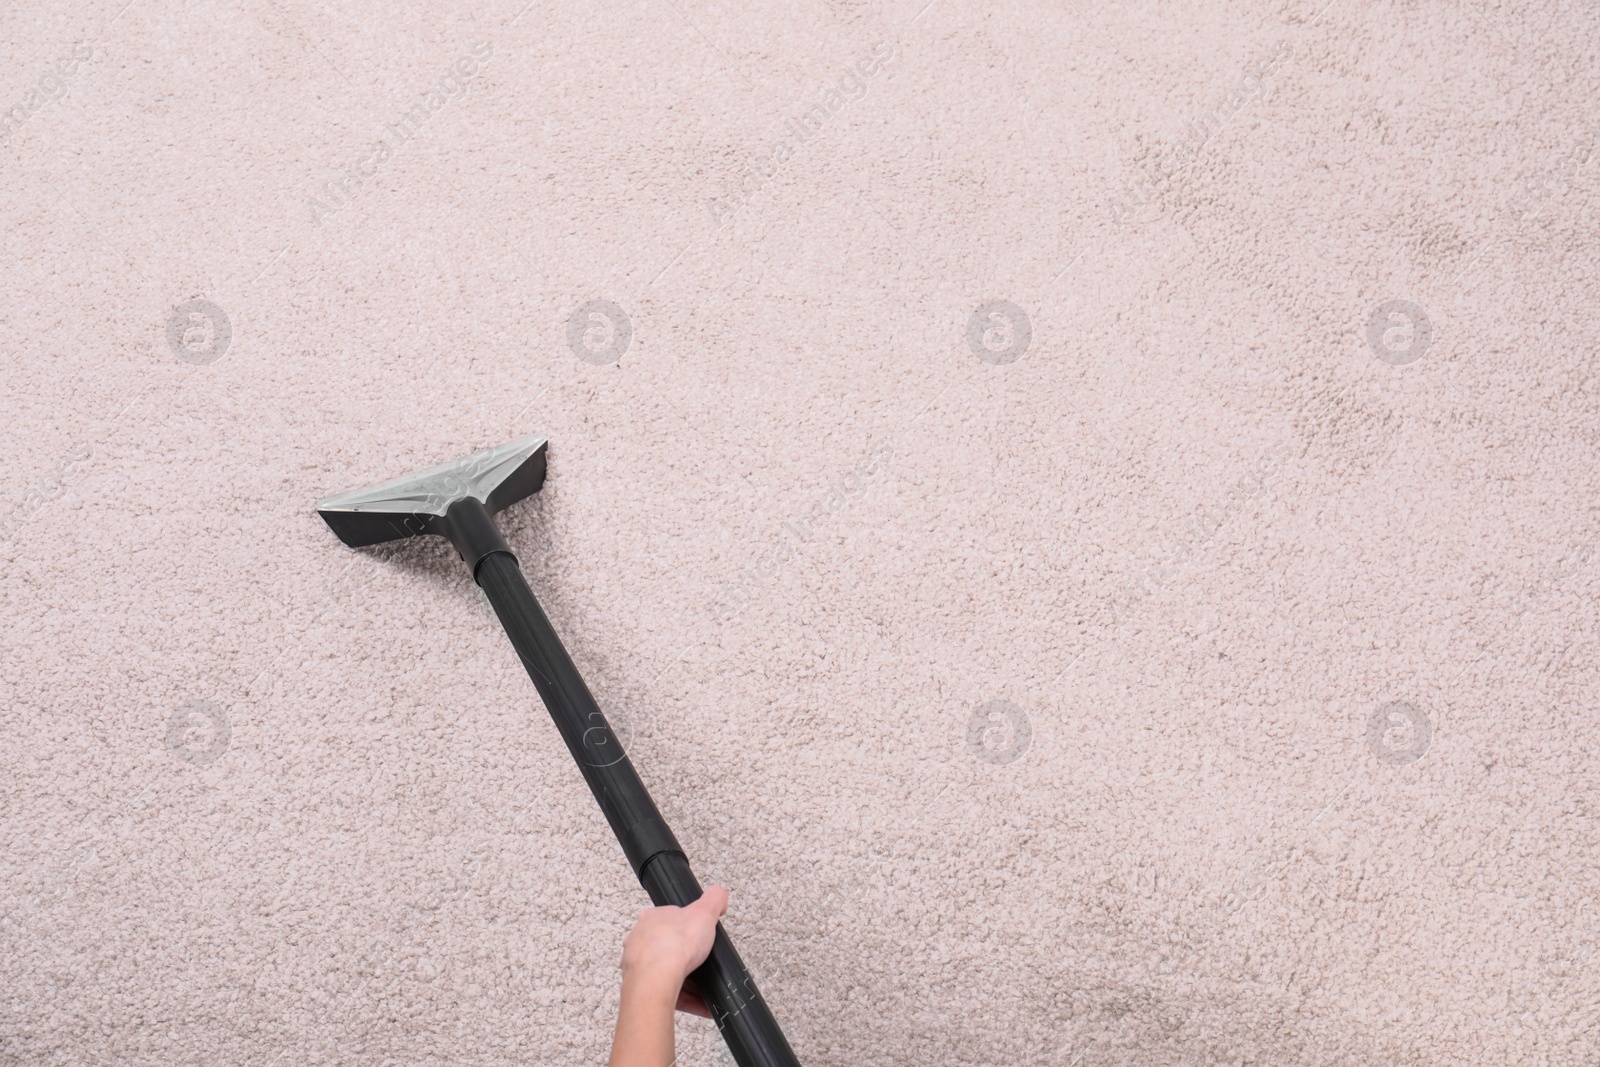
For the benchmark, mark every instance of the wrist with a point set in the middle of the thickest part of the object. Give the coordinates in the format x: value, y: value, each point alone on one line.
x: 650, y: 979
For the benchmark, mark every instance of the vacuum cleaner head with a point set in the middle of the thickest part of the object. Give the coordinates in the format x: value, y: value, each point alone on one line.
x: 419, y: 503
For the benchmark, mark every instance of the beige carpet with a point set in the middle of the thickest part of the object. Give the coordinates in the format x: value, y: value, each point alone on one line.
x: 1087, y: 515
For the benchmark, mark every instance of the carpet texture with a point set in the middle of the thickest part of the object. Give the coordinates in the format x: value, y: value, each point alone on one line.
x: 1087, y: 517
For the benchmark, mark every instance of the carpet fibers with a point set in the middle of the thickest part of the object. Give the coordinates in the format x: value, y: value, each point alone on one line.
x: 1087, y: 517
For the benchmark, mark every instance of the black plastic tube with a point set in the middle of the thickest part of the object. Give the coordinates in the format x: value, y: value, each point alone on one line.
x: 723, y: 981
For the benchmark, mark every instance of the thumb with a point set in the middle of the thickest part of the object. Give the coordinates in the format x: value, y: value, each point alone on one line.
x: 714, y: 902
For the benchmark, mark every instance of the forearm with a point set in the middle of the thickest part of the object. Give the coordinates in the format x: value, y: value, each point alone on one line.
x: 645, y: 1020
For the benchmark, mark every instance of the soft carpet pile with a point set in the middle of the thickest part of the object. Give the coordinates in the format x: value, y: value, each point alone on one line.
x: 1086, y: 515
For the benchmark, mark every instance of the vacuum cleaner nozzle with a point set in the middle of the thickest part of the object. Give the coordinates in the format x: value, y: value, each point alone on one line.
x: 438, y: 500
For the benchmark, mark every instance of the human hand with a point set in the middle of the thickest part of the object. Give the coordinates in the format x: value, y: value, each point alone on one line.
x: 667, y: 943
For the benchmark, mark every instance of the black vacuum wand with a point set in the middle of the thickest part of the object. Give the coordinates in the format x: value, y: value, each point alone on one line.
x: 459, y: 501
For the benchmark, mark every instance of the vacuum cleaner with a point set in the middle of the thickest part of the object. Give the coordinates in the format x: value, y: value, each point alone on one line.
x: 459, y: 501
